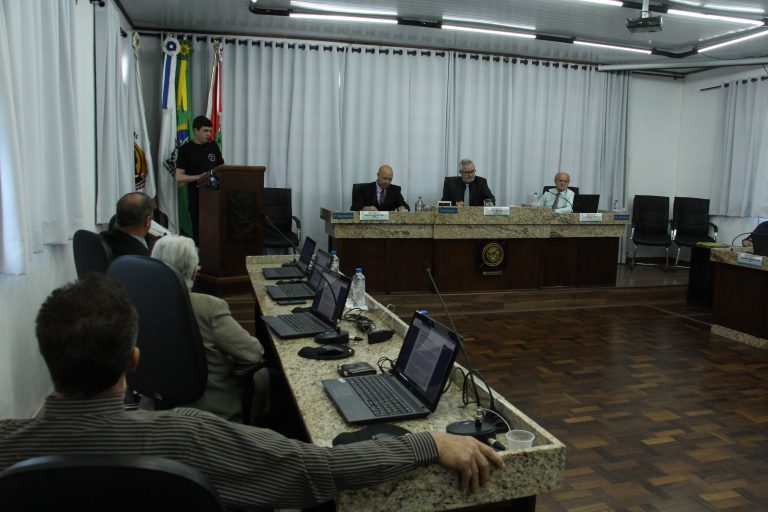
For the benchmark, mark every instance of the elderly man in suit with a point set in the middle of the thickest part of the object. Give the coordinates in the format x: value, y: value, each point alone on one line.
x: 467, y: 189
x: 380, y: 195
x: 133, y: 220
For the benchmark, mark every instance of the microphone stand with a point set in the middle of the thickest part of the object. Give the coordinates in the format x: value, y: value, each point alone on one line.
x: 337, y: 336
x: 737, y: 236
x: 477, y: 428
x: 276, y: 230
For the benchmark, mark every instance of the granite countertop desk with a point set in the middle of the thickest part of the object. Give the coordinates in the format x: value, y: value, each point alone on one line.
x: 537, y: 470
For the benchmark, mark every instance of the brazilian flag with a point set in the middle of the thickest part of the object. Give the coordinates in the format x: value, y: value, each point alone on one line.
x: 183, y: 125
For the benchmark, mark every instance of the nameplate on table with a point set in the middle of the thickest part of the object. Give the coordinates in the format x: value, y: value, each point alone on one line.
x: 343, y: 215
x: 373, y: 216
x: 448, y: 209
x: 590, y: 217
x: 496, y: 210
x: 751, y: 260
x: 620, y: 216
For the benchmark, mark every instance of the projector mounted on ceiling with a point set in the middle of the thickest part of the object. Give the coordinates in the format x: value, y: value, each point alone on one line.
x: 645, y: 22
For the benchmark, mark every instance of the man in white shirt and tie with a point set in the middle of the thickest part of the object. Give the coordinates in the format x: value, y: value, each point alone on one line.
x: 560, y: 197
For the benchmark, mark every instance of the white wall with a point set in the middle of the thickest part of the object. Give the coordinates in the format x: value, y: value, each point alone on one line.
x: 24, y: 380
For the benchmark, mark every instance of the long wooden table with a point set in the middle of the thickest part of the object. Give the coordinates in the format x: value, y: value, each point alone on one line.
x: 540, y: 248
x: 536, y: 470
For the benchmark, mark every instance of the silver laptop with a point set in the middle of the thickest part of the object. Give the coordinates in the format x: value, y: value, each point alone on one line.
x: 299, y: 269
x: 413, y: 388
x: 323, y: 315
x: 305, y: 289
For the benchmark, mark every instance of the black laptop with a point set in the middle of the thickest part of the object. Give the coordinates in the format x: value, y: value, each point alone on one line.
x: 586, y: 203
x: 414, y: 387
x: 299, y: 269
x: 323, y: 315
x: 305, y: 289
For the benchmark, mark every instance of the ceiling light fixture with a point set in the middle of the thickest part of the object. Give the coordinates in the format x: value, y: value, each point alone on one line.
x: 334, y: 17
x: 749, y: 10
x: 613, y: 3
x: 314, y: 6
x: 488, y: 22
x: 714, y: 17
x: 734, y: 41
x: 488, y: 31
x: 613, y: 47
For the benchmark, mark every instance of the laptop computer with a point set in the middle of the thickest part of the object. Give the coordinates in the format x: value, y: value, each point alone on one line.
x: 305, y: 289
x: 323, y: 315
x: 586, y: 203
x: 416, y: 382
x: 299, y: 269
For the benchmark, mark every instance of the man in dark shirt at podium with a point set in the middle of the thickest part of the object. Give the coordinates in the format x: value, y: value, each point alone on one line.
x: 380, y: 195
x: 196, y: 158
x: 467, y: 189
x: 132, y: 221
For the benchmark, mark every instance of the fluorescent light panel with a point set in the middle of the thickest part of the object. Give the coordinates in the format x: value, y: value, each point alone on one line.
x: 507, y: 33
x: 713, y: 17
x: 734, y: 41
x: 314, y: 6
x: 719, y: 7
x: 613, y: 3
x: 612, y: 47
x: 335, y: 17
x: 487, y: 22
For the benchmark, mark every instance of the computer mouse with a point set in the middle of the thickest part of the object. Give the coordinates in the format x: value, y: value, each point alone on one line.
x: 333, y: 349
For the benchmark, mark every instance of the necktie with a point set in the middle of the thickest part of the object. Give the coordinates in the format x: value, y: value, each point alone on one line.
x: 557, y: 200
x: 466, y: 194
x: 381, y: 196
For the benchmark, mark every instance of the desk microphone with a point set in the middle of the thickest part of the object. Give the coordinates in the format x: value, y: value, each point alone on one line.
x: 479, y: 428
x: 561, y: 194
x: 337, y: 335
x: 271, y: 225
x: 737, y: 236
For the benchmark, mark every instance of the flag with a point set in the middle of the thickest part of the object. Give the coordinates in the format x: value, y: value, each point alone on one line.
x: 214, y: 94
x: 166, y: 183
x: 143, y: 168
x: 183, y: 127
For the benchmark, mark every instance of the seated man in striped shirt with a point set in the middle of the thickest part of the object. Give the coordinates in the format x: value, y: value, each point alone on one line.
x: 86, y: 333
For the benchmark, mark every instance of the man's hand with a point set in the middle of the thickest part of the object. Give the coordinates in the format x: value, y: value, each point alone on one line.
x: 402, y: 209
x: 370, y: 208
x: 469, y: 457
x: 459, y: 203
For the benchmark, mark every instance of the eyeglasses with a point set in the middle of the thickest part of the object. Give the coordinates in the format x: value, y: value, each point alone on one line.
x: 467, y: 172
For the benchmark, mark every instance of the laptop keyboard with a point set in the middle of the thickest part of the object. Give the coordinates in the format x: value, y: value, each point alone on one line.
x: 304, y: 322
x: 279, y: 272
x: 378, y: 395
x: 295, y: 290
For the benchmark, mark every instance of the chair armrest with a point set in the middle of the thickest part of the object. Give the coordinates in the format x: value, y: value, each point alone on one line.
x: 714, y: 230
x: 297, y: 221
x: 247, y: 369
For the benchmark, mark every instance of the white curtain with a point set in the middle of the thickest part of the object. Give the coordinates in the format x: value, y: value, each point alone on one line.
x: 281, y: 109
x: 394, y: 108
x: 740, y: 181
x: 114, y: 118
x: 39, y: 162
x: 521, y: 121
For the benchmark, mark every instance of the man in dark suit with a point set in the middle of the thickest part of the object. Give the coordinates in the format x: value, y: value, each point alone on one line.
x: 380, y: 195
x: 134, y: 217
x: 467, y: 189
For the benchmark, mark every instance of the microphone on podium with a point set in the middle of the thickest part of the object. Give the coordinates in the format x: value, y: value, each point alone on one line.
x: 560, y: 194
x: 273, y: 228
x: 740, y: 234
x: 479, y: 428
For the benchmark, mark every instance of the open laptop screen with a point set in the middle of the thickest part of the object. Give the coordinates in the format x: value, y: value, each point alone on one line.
x: 322, y: 260
x: 426, y: 357
x: 329, y: 300
x: 306, y: 252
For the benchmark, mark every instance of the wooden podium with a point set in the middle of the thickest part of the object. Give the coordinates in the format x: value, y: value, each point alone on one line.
x: 230, y: 228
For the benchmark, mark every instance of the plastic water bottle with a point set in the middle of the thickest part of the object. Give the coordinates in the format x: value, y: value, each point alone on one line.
x: 535, y: 200
x: 334, y: 262
x: 419, y: 205
x: 358, y: 289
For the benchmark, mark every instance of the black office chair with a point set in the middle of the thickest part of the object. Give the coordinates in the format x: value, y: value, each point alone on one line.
x: 91, y: 252
x: 173, y: 369
x: 650, y: 220
x: 278, y: 207
x: 690, y: 223
x: 95, y: 483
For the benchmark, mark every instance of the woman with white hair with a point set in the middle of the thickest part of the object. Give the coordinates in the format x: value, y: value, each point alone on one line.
x: 226, y: 342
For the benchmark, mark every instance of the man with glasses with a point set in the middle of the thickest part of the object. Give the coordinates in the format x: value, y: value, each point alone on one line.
x: 467, y: 189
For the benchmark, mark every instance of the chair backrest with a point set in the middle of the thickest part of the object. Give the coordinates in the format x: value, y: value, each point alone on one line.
x: 106, y: 482
x: 91, y: 251
x: 650, y: 214
x: 547, y: 187
x: 173, y: 369
x: 277, y: 206
x: 690, y: 215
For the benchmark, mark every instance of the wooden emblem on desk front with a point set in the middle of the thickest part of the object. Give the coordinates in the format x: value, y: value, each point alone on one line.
x: 492, y: 257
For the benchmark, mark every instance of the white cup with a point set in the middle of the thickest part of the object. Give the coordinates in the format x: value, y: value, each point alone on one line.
x: 519, y: 439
